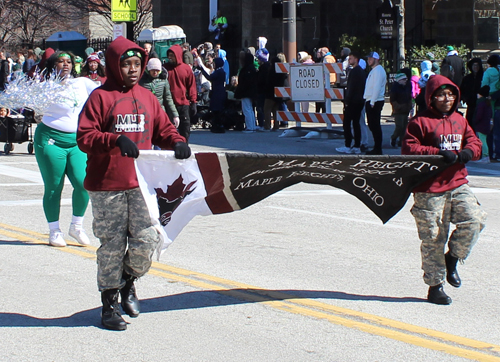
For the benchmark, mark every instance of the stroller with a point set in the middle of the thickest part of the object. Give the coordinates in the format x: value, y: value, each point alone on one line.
x: 230, y: 118
x: 16, y: 128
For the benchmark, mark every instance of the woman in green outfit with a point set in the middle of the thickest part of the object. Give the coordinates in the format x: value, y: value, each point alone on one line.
x: 57, y: 152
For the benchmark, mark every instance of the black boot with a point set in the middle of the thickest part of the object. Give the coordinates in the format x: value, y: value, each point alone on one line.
x: 130, y: 303
x: 111, y: 317
x: 437, y: 295
x: 451, y: 270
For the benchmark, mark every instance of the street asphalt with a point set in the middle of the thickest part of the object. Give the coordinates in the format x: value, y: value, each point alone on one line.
x: 308, y: 274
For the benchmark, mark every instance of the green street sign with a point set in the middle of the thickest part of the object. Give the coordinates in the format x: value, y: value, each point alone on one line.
x: 123, y: 10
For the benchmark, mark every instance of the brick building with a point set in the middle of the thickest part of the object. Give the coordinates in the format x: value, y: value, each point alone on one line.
x: 428, y: 22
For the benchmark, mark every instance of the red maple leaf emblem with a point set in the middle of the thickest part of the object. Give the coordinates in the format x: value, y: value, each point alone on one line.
x: 170, y: 200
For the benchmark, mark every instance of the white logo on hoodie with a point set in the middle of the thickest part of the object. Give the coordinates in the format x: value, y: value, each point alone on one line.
x: 451, y: 142
x: 130, y: 123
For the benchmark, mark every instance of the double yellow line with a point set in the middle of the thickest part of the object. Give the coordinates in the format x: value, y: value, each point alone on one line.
x: 415, y: 335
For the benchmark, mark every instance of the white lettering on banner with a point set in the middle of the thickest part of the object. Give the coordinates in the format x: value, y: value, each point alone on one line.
x: 416, y: 165
x: 361, y: 183
x: 316, y: 175
x: 398, y: 181
x: 254, y: 183
x: 130, y: 123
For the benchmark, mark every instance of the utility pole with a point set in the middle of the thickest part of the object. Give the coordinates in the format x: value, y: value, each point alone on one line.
x: 401, y: 35
x: 290, y: 29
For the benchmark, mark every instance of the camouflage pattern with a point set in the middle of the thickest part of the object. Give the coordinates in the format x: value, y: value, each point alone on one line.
x: 433, y: 213
x: 128, y: 240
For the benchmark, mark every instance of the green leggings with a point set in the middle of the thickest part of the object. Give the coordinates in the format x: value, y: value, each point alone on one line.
x: 57, y: 155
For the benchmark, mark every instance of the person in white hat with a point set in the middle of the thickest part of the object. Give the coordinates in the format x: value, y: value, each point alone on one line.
x: 374, y: 98
x: 155, y: 80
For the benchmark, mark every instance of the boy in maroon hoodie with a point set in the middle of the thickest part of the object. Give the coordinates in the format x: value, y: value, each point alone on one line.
x: 183, y: 88
x: 118, y: 119
x: 440, y: 130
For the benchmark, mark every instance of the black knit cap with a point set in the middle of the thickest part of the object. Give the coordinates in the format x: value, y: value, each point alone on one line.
x: 485, y: 91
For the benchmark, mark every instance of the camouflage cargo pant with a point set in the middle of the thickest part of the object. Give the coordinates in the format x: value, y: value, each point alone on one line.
x: 433, y: 213
x: 128, y: 240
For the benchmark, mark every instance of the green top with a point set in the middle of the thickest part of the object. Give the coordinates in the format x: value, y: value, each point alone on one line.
x: 161, y: 89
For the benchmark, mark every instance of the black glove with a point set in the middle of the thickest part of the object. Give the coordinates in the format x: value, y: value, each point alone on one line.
x: 182, y: 150
x: 127, y: 146
x: 449, y: 156
x: 192, y: 108
x: 465, y: 155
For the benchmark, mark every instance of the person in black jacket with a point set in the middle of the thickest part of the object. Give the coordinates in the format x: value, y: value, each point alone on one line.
x: 262, y: 75
x: 353, y: 105
x: 4, y: 70
x: 456, y: 62
x: 246, y: 90
x: 218, y: 95
x: 272, y: 103
x: 471, y: 84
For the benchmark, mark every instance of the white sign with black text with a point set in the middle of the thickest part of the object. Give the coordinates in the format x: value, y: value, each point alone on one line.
x: 307, y: 83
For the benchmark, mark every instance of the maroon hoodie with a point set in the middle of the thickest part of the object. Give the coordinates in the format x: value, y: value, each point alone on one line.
x: 181, y: 79
x: 431, y: 131
x: 113, y: 110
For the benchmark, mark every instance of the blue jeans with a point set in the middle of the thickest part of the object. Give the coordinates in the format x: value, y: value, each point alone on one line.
x: 248, y: 112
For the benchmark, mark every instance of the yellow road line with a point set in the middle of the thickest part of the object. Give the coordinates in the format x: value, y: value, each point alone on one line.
x: 365, y: 322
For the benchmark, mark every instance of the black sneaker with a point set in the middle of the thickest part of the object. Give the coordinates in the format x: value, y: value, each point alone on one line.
x: 363, y: 148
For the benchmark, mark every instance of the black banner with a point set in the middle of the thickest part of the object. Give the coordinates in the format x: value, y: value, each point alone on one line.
x: 383, y: 183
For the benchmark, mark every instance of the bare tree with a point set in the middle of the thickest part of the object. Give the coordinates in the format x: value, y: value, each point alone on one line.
x: 7, y: 25
x: 103, y: 7
x: 22, y: 22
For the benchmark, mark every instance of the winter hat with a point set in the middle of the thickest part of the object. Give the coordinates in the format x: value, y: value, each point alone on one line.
x: 302, y: 55
x: 400, y: 76
x: 219, y: 63
x: 484, y: 91
x: 451, y: 50
x: 154, y: 64
x: 426, y: 65
x: 262, y: 55
x: 346, y: 51
x: 493, y: 60
x: 414, y: 71
x: 374, y: 55
x: 89, y: 51
x: 426, y: 74
x: 93, y: 58
x: 262, y: 42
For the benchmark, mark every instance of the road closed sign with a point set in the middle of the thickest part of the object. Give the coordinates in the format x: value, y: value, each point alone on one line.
x: 307, y: 83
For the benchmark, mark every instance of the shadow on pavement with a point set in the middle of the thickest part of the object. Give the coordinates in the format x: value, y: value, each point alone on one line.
x: 193, y: 300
